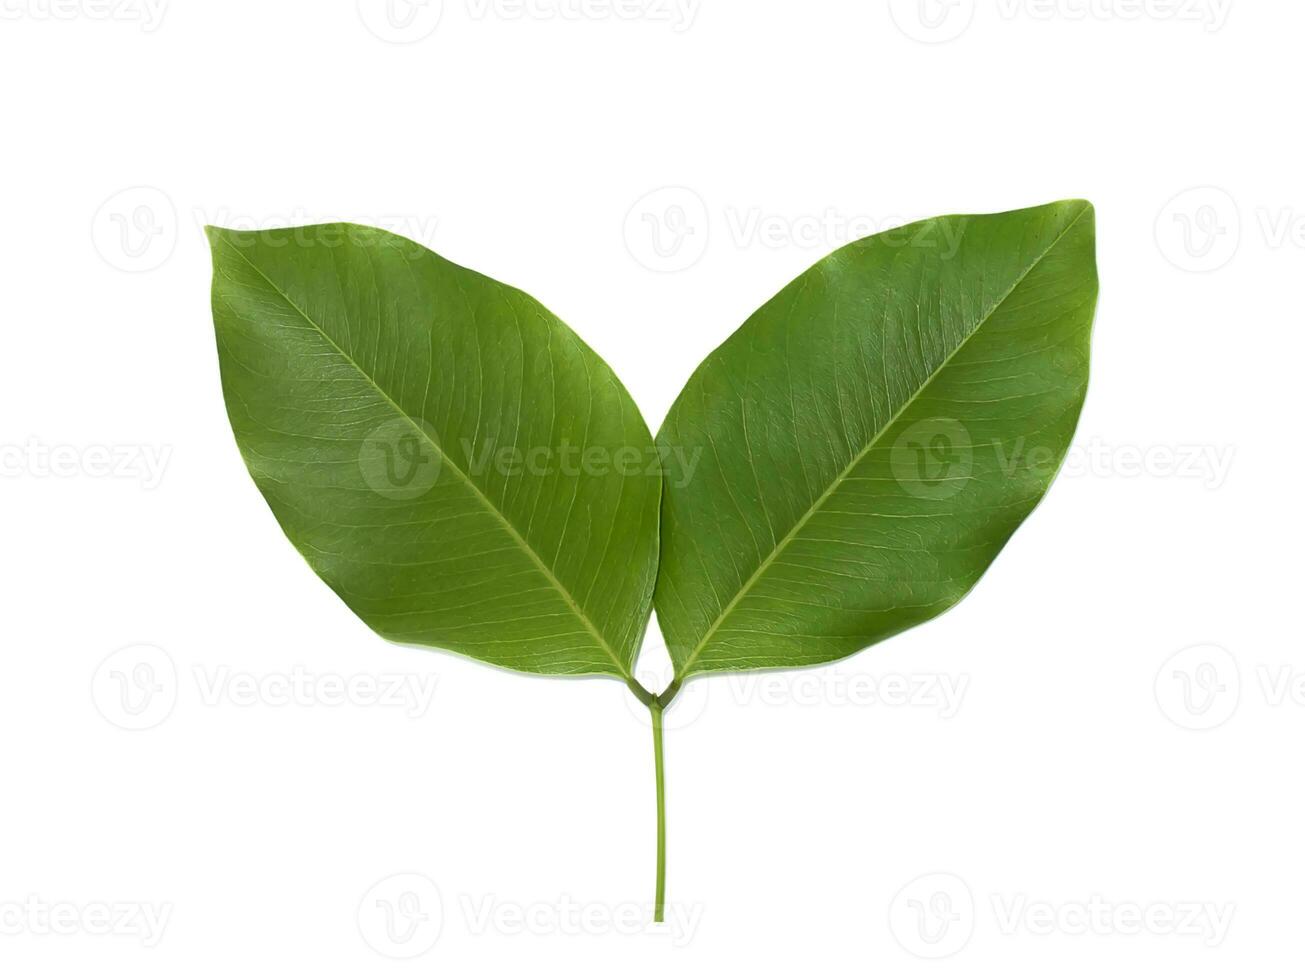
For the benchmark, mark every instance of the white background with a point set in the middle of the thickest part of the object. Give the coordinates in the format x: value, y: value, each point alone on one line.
x: 1080, y: 770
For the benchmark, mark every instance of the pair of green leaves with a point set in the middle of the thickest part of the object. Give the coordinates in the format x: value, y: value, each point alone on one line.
x: 466, y: 473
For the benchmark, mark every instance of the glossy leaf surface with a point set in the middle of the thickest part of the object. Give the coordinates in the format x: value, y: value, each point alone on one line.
x: 870, y: 438
x: 446, y: 454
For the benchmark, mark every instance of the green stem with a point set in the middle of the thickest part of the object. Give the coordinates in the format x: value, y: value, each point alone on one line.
x: 667, y: 696
x: 639, y: 691
x: 660, y: 903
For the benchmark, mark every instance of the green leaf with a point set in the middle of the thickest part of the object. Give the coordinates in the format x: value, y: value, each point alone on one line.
x: 870, y: 438
x: 446, y: 454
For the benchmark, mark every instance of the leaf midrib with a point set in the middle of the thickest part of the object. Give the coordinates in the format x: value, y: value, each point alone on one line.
x: 856, y: 460
x: 466, y: 479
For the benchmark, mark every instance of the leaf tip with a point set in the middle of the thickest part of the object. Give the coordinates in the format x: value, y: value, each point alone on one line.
x: 1085, y: 207
x: 214, y: 234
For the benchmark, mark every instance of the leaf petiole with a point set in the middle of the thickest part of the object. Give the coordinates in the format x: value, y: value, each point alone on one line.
x: 657, y: 704
x: 667, y: 696
x: 645, y: 696
x: 660, y: 901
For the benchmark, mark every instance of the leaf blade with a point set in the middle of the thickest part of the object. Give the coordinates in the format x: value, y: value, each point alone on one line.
x: 342, y: 348
x: 794, y: 582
